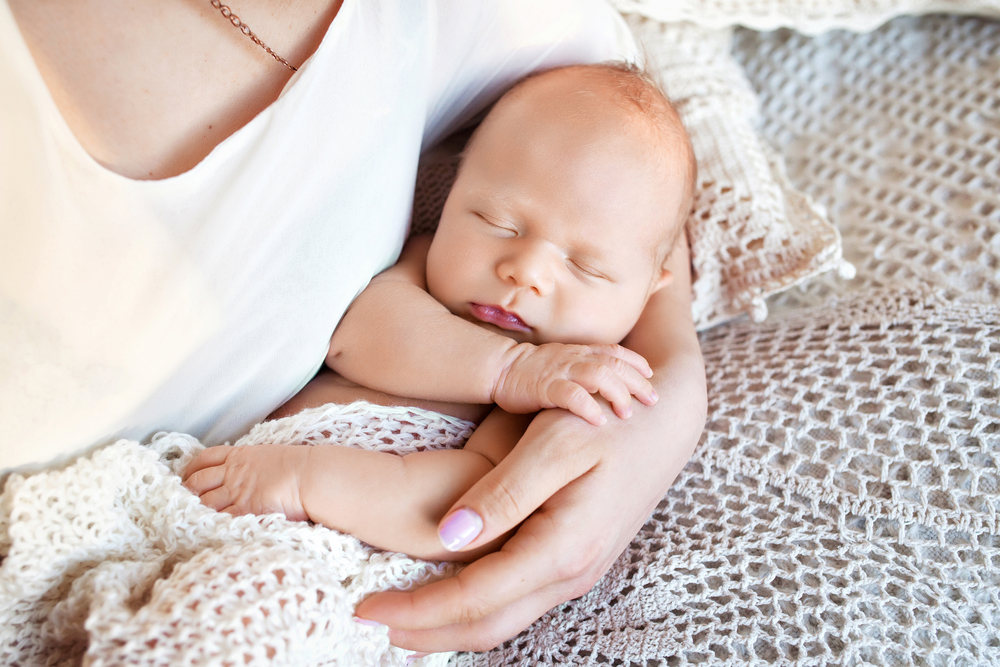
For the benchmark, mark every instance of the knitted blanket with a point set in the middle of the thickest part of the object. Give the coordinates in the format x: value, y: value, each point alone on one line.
x: 111, y: 561
x: 843, y: 505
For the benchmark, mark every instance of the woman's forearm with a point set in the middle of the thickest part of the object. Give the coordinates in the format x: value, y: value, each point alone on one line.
x: 665, y: 332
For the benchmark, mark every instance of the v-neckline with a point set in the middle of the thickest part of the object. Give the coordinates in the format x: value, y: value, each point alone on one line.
x: 46, y: 102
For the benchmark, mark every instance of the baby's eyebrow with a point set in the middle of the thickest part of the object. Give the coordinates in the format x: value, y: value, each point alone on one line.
x: 586, y: 250
x: 595, y: 257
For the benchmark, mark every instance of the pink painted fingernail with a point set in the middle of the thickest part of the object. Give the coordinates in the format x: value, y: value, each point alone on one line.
x: 370, y: 624
x: 461, y: 527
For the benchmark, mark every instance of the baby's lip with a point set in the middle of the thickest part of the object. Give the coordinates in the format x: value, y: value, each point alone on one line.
x: 498, y: 316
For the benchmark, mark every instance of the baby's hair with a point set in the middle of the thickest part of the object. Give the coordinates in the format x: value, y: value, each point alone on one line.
x: 641, y: 97
x: 640, y: 93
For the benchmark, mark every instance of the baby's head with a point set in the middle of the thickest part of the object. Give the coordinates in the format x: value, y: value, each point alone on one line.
x: 570, y: 196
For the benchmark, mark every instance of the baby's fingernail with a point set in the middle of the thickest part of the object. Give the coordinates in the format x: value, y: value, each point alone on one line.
x: 460, y: 528
x: 370, y: 624
x: 653, y: 396
x: 602, y: 420
x: 416, y: 656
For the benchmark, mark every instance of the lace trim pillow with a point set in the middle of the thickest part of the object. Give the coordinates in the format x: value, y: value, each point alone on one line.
x: 751, y: 233
x: 807, y: 16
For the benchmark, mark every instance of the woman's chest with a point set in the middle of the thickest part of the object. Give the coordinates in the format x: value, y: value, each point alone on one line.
x: 149, y: 89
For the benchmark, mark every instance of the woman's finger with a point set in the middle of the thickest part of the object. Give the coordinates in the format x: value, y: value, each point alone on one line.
x: 527, y: 564
x: 543, y: 462
x: 483, y: 634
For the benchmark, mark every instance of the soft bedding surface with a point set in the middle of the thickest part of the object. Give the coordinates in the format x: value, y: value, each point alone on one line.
x: 843, y: 505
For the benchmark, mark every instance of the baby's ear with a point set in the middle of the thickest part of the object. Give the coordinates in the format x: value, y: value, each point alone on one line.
x: 663, y: 279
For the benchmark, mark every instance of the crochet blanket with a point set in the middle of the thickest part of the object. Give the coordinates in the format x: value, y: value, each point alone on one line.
x: 111, y: 561
x: 842, y: 507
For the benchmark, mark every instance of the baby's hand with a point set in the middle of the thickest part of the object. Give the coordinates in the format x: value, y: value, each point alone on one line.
x: 263, y: 479
x: 554, y: 375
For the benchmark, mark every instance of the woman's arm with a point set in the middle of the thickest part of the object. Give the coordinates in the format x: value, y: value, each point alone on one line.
x: 583, y: 493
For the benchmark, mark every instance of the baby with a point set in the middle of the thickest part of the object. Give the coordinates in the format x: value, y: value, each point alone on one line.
x: 568, y: 201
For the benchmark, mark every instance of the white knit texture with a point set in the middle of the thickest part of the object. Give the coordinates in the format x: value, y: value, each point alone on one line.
x: 806, y: 16
x: 111, y: 561
x: 751, y: 233
x: 895, y: 133
x: 843, y: 506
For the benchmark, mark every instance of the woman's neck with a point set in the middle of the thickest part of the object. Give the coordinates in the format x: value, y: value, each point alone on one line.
x: 149, y: 89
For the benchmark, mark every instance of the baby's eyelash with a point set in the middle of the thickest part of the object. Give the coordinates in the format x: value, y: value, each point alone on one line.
x: 583, y: 268
x: 499, y: 224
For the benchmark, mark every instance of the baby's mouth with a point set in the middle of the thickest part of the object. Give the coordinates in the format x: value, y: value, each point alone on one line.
x: 499, y: 317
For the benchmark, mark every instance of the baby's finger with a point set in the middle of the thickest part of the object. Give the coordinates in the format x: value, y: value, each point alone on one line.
x: 569, y: 395
x: 211, y: 456
x: 205, y: 480
x: 633, y: 359
x: 602, y: 378
x: 218, y: 499
x: 636, y: 384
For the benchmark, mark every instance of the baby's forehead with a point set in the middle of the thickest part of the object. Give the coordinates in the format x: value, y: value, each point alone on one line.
x: 618, y: 97
x: 609, y: 114
x: 616, y: 89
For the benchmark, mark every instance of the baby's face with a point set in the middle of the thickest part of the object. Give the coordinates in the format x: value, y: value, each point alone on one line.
x: 553, y: 229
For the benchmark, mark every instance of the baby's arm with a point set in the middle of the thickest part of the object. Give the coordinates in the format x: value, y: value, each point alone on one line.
x: 397, y: 338
x: 392, y: 502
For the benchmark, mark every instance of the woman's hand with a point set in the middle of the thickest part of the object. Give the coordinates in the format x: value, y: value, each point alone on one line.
x: 582, y: 492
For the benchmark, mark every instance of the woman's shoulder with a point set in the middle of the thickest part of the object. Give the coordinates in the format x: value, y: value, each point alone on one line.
x: 482, y: 48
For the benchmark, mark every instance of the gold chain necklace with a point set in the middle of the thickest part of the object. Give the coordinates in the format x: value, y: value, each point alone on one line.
x: 245, y: 29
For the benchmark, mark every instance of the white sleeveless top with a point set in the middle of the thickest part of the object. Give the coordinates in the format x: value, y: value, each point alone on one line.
x: 199, y: 303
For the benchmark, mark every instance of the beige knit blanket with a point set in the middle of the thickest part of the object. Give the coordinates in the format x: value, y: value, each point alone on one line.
x: 111, y: 561
x: 842, y: 507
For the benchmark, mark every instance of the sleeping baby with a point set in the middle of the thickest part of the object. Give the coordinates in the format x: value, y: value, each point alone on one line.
x: 569, y: 198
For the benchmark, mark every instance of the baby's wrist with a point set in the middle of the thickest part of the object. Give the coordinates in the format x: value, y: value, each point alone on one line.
x: 510, y: 356
x: 305, y: 473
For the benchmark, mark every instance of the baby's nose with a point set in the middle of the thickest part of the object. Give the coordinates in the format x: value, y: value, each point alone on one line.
x: 531, y: 265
